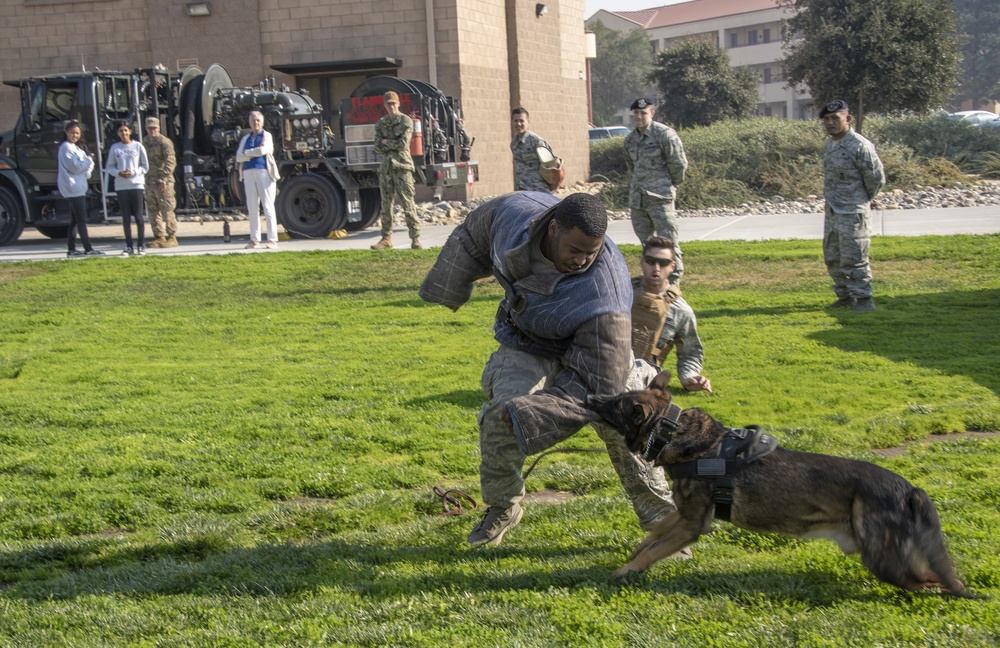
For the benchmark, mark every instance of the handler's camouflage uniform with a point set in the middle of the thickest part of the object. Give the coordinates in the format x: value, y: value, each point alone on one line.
x: 570, y: 340
x: 853, y: 175
x: 395, y: 172
x: 657, y: 162
x: 680, y: 332
x: 526, y: 166
x: 161, y: 204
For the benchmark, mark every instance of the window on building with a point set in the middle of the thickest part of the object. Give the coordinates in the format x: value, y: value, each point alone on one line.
x: 655, y: 45
x: 752, y: 37
x: 767, y: 35
x: 734, y: 39
x: 767, y: 75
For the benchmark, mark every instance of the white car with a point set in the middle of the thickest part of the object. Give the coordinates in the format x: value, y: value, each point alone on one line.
x: 607, y: 132
x: 974, y: 117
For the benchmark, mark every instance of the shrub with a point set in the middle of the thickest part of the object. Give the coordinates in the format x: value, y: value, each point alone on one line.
x: 740, y: 161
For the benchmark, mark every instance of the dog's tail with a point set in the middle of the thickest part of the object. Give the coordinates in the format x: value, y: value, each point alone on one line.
x: 930, y: 547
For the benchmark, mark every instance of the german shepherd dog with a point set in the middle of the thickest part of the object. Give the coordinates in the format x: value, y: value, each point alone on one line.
x: 863, y: 508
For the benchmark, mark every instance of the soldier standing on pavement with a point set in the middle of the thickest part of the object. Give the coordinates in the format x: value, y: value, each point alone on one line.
x: 524, y: 146
x: 655, y: 156
x: 160, y: 198
x: 395, y: 173
x: 852, y: 177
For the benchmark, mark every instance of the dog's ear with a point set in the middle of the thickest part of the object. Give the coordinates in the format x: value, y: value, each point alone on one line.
x: 660, y: 381
x: 696, y: 433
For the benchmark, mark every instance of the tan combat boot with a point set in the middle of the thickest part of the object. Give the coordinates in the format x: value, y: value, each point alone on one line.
x: 384, y: 244
x: 415, y: 244
x: 158, y: 242
x: 170, y: 242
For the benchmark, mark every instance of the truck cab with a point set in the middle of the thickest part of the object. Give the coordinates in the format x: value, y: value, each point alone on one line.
x: 29, y: 154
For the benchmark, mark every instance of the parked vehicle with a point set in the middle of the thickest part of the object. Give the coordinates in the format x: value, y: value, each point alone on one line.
x: 974, y: 117
x: 606, y: 132
x: 322, y: 188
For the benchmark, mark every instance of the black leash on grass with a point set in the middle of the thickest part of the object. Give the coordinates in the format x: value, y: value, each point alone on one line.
x: 454, y: 497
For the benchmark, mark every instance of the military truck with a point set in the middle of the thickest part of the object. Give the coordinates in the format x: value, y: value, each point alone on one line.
x: 328, y: 183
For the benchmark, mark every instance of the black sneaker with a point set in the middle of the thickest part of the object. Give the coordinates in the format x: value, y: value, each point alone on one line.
x: 128, y: 251
x: 75, y: 253
x: 495, y: 524
x: 94, y: 253
x: 140, y: 251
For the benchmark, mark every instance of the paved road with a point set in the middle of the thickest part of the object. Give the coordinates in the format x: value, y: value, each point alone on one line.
x: 196, y: 238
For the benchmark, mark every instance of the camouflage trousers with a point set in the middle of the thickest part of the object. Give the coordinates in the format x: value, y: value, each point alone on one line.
x: 510, y: 373
x: 160, y: 206
x: 400, y: 182
x: 657, y: 217
x: 846, y: 240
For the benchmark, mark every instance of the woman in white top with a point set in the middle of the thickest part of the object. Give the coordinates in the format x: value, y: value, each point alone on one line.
x: 259, y: 173
x: 128, y: 165
x: 75, y: 167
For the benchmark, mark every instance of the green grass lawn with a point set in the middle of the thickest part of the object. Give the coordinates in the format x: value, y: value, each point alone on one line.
x: 240, y: 450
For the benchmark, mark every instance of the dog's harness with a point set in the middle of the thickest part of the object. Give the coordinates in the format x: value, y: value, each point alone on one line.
x: 740, y: 446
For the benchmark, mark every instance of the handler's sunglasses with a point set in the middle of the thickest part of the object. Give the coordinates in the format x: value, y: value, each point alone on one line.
x: 659, y: 262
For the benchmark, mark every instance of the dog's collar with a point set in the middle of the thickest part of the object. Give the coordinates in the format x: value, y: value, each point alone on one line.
x: 662, y: 433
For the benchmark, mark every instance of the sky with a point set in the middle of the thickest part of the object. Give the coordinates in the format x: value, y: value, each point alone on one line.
x: 593, y: 6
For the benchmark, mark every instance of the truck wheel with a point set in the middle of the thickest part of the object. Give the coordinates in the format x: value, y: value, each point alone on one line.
x: 371, y: 208
x: 11, y: 217
x: 311, y: 206
x: 53, y: 231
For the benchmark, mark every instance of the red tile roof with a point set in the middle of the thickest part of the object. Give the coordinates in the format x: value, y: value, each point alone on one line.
x: 692, y: 11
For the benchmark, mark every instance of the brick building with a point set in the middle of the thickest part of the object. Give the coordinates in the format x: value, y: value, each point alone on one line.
x: 490, y: 55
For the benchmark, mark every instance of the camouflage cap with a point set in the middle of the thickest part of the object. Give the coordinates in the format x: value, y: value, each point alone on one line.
x: 834, y: 106
x: 152, y: 122
x: 390, y: 98
x: 641, y: 104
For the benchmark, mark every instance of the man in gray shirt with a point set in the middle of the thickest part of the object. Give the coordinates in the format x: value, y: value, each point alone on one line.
x: 852, y: 177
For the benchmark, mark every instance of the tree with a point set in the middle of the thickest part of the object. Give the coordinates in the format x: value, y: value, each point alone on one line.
x: 879, y: 55
x: 700, y: 87
x: 618, y: 74
x: 979, y: 22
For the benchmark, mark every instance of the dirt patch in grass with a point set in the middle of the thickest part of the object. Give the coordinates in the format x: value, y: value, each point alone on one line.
x: 899, y: 450
x: 547, y: 496
x: 16, y: 272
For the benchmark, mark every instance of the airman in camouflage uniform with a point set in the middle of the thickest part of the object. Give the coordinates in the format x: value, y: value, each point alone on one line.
x: 161, y: 201
x: 655, y: 156
x: 852, y: 177
x: 524, y: 146
x: 395, y: 173
x: 662, y: 320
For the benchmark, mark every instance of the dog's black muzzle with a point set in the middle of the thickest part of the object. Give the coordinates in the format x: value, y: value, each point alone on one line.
x: 661, y: 434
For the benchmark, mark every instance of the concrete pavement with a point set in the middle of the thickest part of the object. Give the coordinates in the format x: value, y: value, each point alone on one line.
x: 206, y: 238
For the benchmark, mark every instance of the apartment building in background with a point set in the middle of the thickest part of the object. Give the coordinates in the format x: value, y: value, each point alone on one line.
x: 751, y: 32
x: 490, y: 55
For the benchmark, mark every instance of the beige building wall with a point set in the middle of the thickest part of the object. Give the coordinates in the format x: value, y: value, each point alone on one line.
x: 490, y: 55
x: 742, y: 35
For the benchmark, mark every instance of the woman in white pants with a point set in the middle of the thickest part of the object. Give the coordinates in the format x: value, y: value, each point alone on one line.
x: 259, y: 173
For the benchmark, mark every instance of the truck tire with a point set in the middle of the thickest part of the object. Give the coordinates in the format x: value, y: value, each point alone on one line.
x: 11, y: 217
x: 371, y: 209
x: 53, y: 231
x: 311, y: 206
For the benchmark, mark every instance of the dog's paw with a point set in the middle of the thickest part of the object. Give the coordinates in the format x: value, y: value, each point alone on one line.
x: 624, y: 571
